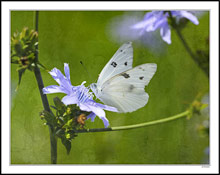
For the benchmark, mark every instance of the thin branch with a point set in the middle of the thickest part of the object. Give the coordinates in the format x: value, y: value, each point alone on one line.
x: 185, y: 44
x: 53, y: 140
x: 183, y: 114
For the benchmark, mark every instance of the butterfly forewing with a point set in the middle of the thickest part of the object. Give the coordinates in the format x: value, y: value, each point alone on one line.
x: 121, y: 61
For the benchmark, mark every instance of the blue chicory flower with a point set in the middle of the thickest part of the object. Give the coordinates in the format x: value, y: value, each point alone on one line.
x: 158, y: 20
x: 79, y: 95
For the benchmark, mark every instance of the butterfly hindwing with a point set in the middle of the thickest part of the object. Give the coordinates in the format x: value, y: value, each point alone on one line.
x: 121, y: 61
x: 125, y: 91
x: 128, y: 103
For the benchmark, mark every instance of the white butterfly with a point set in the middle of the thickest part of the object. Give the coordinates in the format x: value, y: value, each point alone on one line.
x: 121, y: 86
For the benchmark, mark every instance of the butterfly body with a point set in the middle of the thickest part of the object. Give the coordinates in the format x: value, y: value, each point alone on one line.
x: 122, y: 86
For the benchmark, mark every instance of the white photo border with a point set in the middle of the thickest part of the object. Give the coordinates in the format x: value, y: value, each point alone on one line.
x: 212, y: 6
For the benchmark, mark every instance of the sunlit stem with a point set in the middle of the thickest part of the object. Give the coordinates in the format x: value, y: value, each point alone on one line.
x: 186, y: 46
x: 53, y: 139
x: 140, y: 125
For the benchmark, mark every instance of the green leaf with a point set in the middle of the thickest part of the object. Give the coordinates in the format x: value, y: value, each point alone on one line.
x: 18, y: 48
x: 50, y: 118
x: 42, y: 66
x: 60, y: 133
x: 60, y: 121
x: 66, y: 143
x: 15, y: 59
x: 31, y: 56
x: 53, y: 107
x: 59, y: 105
x: 69, y: 123
x: 25, y: 46
x: 34, y: 38
x: 20, y: 73
x: 24, y: 33
x: 203, y: 106
x: 68, y: 136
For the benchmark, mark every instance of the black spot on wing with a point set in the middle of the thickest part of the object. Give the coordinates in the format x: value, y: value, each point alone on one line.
x: 141, y: 68
x: 122, y: 51
x: 125, y: 75
x: 131, y: 87
x: 126, y: 63
x: 114, y: 64
x: 141, y: 78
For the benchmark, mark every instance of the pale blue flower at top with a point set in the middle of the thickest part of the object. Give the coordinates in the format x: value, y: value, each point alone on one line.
x: 78, y: 95
x: 159, y: 20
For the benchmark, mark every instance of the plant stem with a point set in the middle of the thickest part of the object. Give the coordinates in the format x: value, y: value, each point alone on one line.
x: 186, y: 46
x: 53, y: 139
x: 53, y: 145
x: 183, y: 114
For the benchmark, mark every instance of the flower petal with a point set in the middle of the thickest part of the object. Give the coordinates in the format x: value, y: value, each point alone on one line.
x: 70, y: 99
x: 149, y: 19
x: 140, y: 25
x: 166, y: 33
x: 57, y: 75
x: 158, y: 24
x: 67, y: 71
x: 96, y: 110
x: 105, y: 121
x: 92, y: 116
x: 84, y: 107
x: 91, y: 107
x: 149, y: 15
x: 143, y: 24
x: 190, y: 17
x: 53, y: 89
x: 61, y: 79
x: 156, y: 21
x: 185, y: 14
x: 106, y: 107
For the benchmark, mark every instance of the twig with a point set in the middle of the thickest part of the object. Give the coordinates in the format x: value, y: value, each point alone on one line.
x: 53, y: 139
x: 192, y: 55
x: 183, y: 114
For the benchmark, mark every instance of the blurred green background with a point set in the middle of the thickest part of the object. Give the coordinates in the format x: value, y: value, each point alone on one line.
x: 74, y: 36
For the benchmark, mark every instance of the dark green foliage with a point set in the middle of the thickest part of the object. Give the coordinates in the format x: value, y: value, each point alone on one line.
x: 203, y: 56
x: 23, y: 48
x: 68, y: 119
x: 67, y: 143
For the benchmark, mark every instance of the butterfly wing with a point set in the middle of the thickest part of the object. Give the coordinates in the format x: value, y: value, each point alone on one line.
x: 125, y: 91
x: 121, y: 61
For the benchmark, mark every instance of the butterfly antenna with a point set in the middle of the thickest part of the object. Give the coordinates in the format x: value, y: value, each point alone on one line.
x: 86, y: 70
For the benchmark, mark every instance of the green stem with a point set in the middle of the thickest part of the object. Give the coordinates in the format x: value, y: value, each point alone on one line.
x: 53, y: 145
x: 183, y: 114
x: 185, y: 44
x: 53, y: 139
